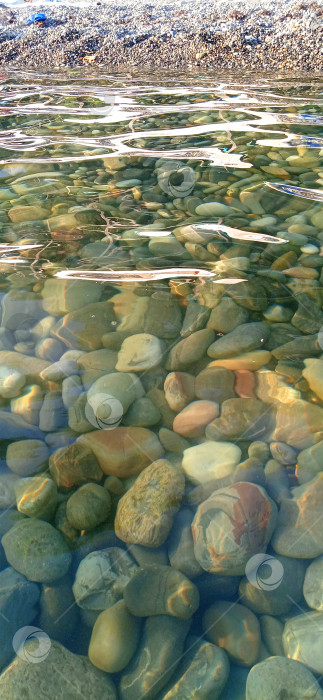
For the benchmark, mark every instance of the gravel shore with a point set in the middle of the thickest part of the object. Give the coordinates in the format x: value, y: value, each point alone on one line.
x: 276, y: 35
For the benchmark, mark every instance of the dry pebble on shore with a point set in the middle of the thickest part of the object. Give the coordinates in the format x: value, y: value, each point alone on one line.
x: 226, y: 35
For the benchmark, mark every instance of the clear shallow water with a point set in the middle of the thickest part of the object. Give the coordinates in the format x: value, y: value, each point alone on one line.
x: 161, y: 386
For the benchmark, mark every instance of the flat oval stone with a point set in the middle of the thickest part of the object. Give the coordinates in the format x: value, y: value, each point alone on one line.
x: 114, y: 638
x: 296, y: 533
x: 179, y: 389
x: 189, y: 350
x: 145, y: 513
x: 233, y: 524
x: 210, y: 460
x: 234, y: 628
x: 101, y: 578
x: 193, y: 419
x: 244, y: 338
x: 279, y: 677
x: 161, y: 590
x: 214, y: 209
x: 158, y: 655
x: 37, y: 550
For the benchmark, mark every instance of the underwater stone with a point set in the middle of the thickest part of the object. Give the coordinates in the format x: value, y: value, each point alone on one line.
x: 181, y: 545
x: 36, y: 497
x: 53, y: 414
x: 123, y: 451
x: 145, y: 513
x: 189, y: 350
x: 308, y: 318
x: 313, y: 374
x: 296, y: 533
x: 215, y: 384
x: 193, y: 419
x: 209, y: 461
x: 251, y: 361
x: 84, y: 327
x: 203, y: 674
x: 158, y: 655
x: 301, y: 643
x: 88, y: 507
x: 62, y: 296
x: 244, y: 338
x: 232, y: 525
x: 271, y: 633
x: 278, y: 677
x: 73, y: 466
x: 275, y: 593
x: 11, y: 382
x: 18, y: 601
x: 140, y: 352
x: 313, y: 585
x: 141, y: 414
x: 27, y: 456
x: 234, y: 628
x: 114, y: 638
x: 161, y: 590
x: 226, y: 316
x: 58, y: 613
x: 38, y: 551
x: 78, y: 677
x: 242, y: 419
x: 179, y: 389
x: 297, y: 423
x: 12, y: 426
x: 309, y: 462
x: 31, y: 367
x: 101, y: 578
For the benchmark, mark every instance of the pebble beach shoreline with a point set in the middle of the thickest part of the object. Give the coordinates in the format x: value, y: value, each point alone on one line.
x: 223, y: 35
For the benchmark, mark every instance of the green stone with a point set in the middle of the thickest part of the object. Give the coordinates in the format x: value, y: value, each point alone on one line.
x: 88, y: 507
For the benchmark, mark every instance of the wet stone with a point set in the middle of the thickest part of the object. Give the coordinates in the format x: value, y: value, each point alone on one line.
x: 195, y: 318
x: 140, y: 352
x: 84, y: 327
x: 271, y: 632
x: 36, y: 497
x: 313, y: 585
x: 210, y: 461
x: 101, y: 578
x: 189, y: 350
x: 145, y: 513
x: 123, y: 452
x: 77, y: 675
x: 161, y: 590
x: 203, y: 673
x: 114, y: 638
x: 142, y: 413
x: 179, y: 389
x: 193, y: 419
x: 246, y: 337
x: 27, y: 457
x: 242, y: 419
x: 296, y: 533
x: 234, y: 628
x: 181, y: 545
x: 226, y: 316
x: 232, y: 525
x: 301, y: 644
x: 280, y: 677
x: 88, y: 507
x: 73, y: 466
x: 18, y: 607
x: 308, y: 317
x: 35, y: 549
x: 274, y: 598
x: 58, y: 613
x: 158, y: 655
x: 309, y: 462
x: 215, y: 384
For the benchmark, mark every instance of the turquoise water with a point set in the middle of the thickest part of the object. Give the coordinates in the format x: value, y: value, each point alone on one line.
x: 161, y: 386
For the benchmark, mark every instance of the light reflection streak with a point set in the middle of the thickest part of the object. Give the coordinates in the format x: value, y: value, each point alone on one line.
x: 119, y: 276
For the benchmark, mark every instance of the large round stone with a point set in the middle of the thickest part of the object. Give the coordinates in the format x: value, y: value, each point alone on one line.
x: 233, y: 524
x: 278, y: 677
x: 297, y: 533
x: 145, y: 513
x: 38, y: 551
x: 88, y: 507
x: 203, y: 676
x: 140, y: 352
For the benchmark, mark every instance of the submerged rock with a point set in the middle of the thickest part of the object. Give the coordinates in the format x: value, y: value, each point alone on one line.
x: 114, y: 638
x: 145, y: 513
x: 37, y: 550
x: 280, y: 677
x: 231, y: 526
x: 101, y: 578
x: 77, y: 676
x: 161, y: 590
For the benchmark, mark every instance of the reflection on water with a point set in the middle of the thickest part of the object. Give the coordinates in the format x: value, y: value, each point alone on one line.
x: 161, y: 387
